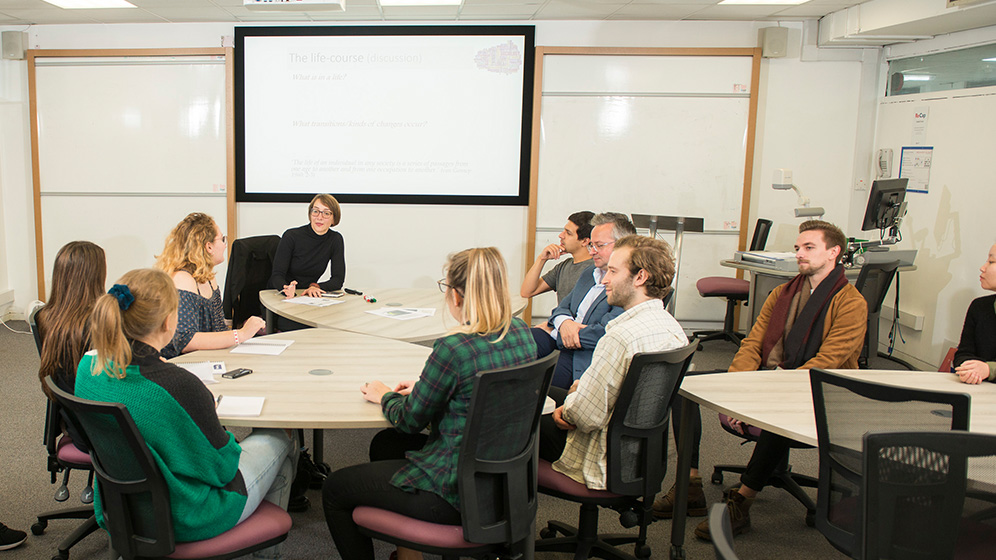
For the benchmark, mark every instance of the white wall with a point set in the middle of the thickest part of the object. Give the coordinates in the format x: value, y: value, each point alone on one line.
x: 808, y: 121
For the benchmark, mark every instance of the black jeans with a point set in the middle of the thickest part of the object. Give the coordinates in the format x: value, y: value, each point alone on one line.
x: 370, y: 485
x: 552, y: 439
x: 563, y: 375
x: 769, y: 452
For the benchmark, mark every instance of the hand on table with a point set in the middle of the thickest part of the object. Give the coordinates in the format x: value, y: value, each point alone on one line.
x: 558, y: 419
x: 404, y: 387
x: 314, y: 290
x: 374, y: 390
x: 290, y: 288
x: 253, y: 326
x: 569, y: 334
x: 973, y: 372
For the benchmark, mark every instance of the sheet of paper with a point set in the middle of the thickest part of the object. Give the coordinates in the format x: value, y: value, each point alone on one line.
x: 399, y: 313
x: 315, y: 301
x: 262, y: 346
x: 240, y: 406
x: 205, y: 371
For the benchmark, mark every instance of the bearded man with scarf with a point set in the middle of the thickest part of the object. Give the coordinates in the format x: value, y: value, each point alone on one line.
x: 816, y: 320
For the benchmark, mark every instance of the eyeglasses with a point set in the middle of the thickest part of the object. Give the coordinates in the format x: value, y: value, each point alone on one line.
x: 224, y: 239
x: 324, y: 213
x: 443, y: 286
x: 598, y: 246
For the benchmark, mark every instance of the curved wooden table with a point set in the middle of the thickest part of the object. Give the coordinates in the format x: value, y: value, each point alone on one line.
x: 351, y: 315
x: 298, y: 399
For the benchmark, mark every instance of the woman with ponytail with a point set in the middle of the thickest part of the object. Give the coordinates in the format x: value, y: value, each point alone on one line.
x: 214, y: 482
x: 422, y: 483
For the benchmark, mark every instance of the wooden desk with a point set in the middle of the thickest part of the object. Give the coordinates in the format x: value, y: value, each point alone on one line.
x: 297, y: 399
x: 351, y: 315
x: 781, y: 402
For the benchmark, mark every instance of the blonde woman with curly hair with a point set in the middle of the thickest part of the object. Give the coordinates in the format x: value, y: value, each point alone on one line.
x: 194, y: 247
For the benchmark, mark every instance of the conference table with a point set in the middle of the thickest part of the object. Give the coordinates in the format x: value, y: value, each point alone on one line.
x: 351, y: 313
x: 296, y: 398
x: 780, y: 401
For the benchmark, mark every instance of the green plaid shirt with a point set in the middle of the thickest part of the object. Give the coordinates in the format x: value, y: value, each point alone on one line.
x: 441, y: 400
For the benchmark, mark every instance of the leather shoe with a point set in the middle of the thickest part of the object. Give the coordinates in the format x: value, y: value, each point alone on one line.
x: 664, y: 506
x: 738, y: 508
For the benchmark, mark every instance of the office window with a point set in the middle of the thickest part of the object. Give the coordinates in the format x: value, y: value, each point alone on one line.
x: 961, y: 69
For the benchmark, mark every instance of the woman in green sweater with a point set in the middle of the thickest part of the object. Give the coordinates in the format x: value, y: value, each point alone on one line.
x: 214, y: 482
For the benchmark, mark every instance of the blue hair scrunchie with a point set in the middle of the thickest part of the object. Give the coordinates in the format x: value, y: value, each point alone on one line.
x: 123, y: 295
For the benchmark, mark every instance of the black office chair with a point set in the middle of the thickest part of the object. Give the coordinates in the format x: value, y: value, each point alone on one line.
x: 496, y: 473
x: 845, y: 410
x: 734, y: 290
x: 873, y: 283
x: 636, y: 435
x: 135, y: 499
x: 64, y: 456
x: 721, y: 529
x: 929, y: 495
x: 249, y: 268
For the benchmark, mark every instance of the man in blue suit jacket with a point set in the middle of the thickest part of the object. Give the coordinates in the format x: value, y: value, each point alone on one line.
x: 577, y: 324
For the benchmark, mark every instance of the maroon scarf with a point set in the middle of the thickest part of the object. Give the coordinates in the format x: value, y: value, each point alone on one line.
x: 800, y: 346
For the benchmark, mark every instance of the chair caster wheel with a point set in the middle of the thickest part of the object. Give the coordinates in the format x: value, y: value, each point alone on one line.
x: 547, y: 533
x: 810, y: 519
x: 642, y: 551
x: 39, y: 527
x: 61, y: 557
x: 717, y: 478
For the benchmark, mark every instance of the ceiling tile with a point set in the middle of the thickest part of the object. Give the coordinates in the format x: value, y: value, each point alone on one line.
x: 421, y: 12
x: 656, y: 11
x: 736, y: 12
x: 352, y: 12
x: 811, y: 10
x: 562, y: 9
x: 209, y: 13
x: 55, y: 15
x: 499, y: 11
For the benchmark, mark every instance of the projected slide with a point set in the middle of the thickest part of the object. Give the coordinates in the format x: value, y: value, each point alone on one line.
x: 371, y: 118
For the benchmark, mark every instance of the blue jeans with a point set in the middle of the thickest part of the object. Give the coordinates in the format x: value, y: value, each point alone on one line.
x: 268, y: 463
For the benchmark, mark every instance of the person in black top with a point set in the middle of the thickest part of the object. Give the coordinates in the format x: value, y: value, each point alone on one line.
x: 305, y: 252
x: 975, y: 360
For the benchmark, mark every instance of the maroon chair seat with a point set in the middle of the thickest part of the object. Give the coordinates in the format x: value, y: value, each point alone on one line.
x: 268, y: 523
x: 552, y: 480
x: 400, y: 526
x: 722, y: 286
x: 67, y: 452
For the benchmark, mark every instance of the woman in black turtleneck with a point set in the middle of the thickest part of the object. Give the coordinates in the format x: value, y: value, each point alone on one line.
x: 304, y: 253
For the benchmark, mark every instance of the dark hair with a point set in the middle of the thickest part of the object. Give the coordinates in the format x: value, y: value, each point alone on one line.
x: 832, y: 235
x: 655, y: 258
x: 583, y: 221
x: 78, y: 278
x: 621, y: 226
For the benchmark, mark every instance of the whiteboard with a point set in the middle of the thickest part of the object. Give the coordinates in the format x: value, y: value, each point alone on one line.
x: 131, y: 124
x: 649, y: 134
x: 128, y: 146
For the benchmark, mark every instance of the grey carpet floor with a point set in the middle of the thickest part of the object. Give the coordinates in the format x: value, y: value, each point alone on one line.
x: 779, y: 530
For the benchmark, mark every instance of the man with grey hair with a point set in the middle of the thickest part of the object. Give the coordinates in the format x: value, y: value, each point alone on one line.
x: 577, y: 324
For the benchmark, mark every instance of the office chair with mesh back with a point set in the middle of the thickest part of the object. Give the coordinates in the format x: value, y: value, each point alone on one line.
x: 847, y: 408
x: 929, y: 495
x: 873, y: 283
x: 496, y: 473
x: 734, y: 290
x: 135, y: 498
x: 64, y: 456
x: 635, y: 437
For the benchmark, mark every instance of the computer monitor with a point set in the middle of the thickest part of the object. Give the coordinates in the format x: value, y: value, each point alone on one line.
x: 884, y: 204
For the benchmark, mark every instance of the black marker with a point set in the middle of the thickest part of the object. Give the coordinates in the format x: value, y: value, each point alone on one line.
x: 353, y: 292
